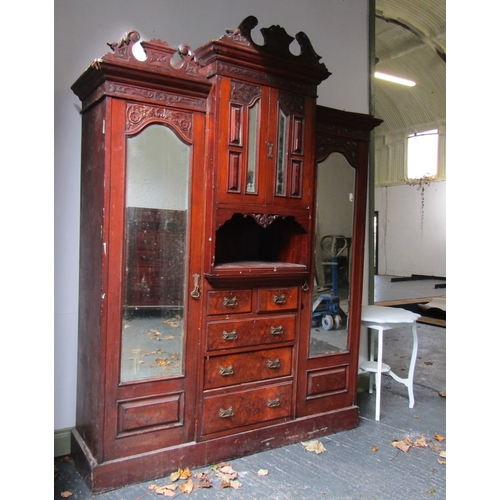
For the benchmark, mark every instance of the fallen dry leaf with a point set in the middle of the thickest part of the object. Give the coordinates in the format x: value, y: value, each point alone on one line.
x: 204, y: 482
x: 263, y: 472
x: 228, y: 470
x: 315, y: 446
x: 167, y: 490
x: 235, y: 484
x: 439, y: 437
x: 187, y: 487
x: 442, y: 462
x: 428, y: 363
x: 421, y: 442
x: 66, y: 494
x: 175, y: 475
x: 442, y: 394
x: 185, y: 473
x: 403, y: 444
x: 443, y: 454
x: 374, y: 448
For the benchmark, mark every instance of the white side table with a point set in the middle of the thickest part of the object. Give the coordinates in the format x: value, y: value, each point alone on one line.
x: 381, y: 318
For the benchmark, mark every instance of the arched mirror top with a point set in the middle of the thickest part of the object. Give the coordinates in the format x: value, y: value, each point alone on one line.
x: 140, y: 116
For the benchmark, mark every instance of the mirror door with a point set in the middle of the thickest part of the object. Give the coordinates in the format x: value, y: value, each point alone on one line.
x: 332, y: 263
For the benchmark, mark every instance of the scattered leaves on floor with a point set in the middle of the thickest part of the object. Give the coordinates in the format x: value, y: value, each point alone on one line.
x: 183, y: 481
x: 374, y: 448
x: 263, y: 472
x: 66, y: 494
x: 442, y: 394
x: 406, y: 444
x: 428, y: 363
x: 314, y: 445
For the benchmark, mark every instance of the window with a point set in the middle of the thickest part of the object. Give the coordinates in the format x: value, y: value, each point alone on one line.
x: 422, y: 158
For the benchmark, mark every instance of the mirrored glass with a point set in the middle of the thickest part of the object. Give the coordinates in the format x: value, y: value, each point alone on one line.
x: 334, y: 225
x: 155, y: 255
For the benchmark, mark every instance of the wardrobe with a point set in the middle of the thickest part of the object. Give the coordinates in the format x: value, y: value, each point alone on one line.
x: 199, y: 255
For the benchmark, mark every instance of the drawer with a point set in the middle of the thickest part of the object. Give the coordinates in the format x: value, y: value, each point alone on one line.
x: 229, y: 302
x: 249, y: 332
x: 253, y: 406
x: 277, y: 299
x: 232, y: 369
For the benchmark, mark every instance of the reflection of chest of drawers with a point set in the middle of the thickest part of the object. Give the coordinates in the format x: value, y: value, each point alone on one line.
x: 154, y: 249
x: 249, y: 358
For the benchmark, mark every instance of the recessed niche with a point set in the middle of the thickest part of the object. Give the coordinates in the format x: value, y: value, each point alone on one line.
x: 260, y: 238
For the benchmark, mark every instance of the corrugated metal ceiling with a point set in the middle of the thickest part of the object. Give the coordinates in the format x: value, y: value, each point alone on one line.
x: 410, y: 42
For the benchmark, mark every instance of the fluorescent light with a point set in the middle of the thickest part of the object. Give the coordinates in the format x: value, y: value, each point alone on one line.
x: 394, y: 79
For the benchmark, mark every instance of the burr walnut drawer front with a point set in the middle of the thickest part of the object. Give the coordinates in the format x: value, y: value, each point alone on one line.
x: 232, y: 369
x: 249, y: 332
x: 277, y: 299
x: 253, y: 406
x: 229, y: 302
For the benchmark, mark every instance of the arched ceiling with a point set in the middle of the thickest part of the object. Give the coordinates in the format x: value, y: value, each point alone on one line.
x: 410, y: 42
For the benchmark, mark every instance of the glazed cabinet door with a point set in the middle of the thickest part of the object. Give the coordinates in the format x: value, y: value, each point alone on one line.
x: 243, y: 123
x: 265, y: 150
x: 290, y: 150
x: 155, y: 260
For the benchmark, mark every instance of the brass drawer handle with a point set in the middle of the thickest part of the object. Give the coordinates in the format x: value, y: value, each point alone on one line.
x: 229, y: 335
x: 230, y: 302
x: 226, y: 371
x: 226, y: 413
x: 281, y: 299
x: 273, y: 403
x: 277, y: 330
x: 273, y: 363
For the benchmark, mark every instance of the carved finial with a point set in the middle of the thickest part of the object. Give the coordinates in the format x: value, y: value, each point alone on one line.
x: 306, y: 48
x: 245, y: 27
x: 131, y: 36
x: 186, y: 51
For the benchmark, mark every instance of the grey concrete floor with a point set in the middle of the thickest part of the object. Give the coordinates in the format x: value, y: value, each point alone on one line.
x: 361, y: 463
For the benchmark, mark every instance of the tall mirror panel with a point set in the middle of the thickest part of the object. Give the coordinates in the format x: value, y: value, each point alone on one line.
x: 157, y: 179
x: 334, y: 229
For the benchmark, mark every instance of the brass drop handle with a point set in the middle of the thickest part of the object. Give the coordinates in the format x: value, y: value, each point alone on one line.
x: 226, y: 413
x: 273, y: 403
x: 279, y: 299
x: 305, y: 286
x: 273, y: 363
x: 270, y: 146
x: 230, y: 302
x: 229, y: 335
x: 196, y: 290
x: 226, y: 371
x: 277, y: 330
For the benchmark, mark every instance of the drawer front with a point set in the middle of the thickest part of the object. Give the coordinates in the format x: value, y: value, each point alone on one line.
x: 230, y: 411
x: 250, y: 332
x: 232, y: 369
x: 229, y: 302
x: 277, y: 299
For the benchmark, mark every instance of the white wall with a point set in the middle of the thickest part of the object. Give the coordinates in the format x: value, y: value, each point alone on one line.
x: 337, y: 29
x: 412, y: 238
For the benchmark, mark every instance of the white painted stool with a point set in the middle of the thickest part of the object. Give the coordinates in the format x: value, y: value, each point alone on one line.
x: 381, y: 318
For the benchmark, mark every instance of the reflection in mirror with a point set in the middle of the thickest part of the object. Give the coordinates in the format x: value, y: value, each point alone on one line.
x: 253, y: 114
x: 334, y: 225
x: 155, y: 255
